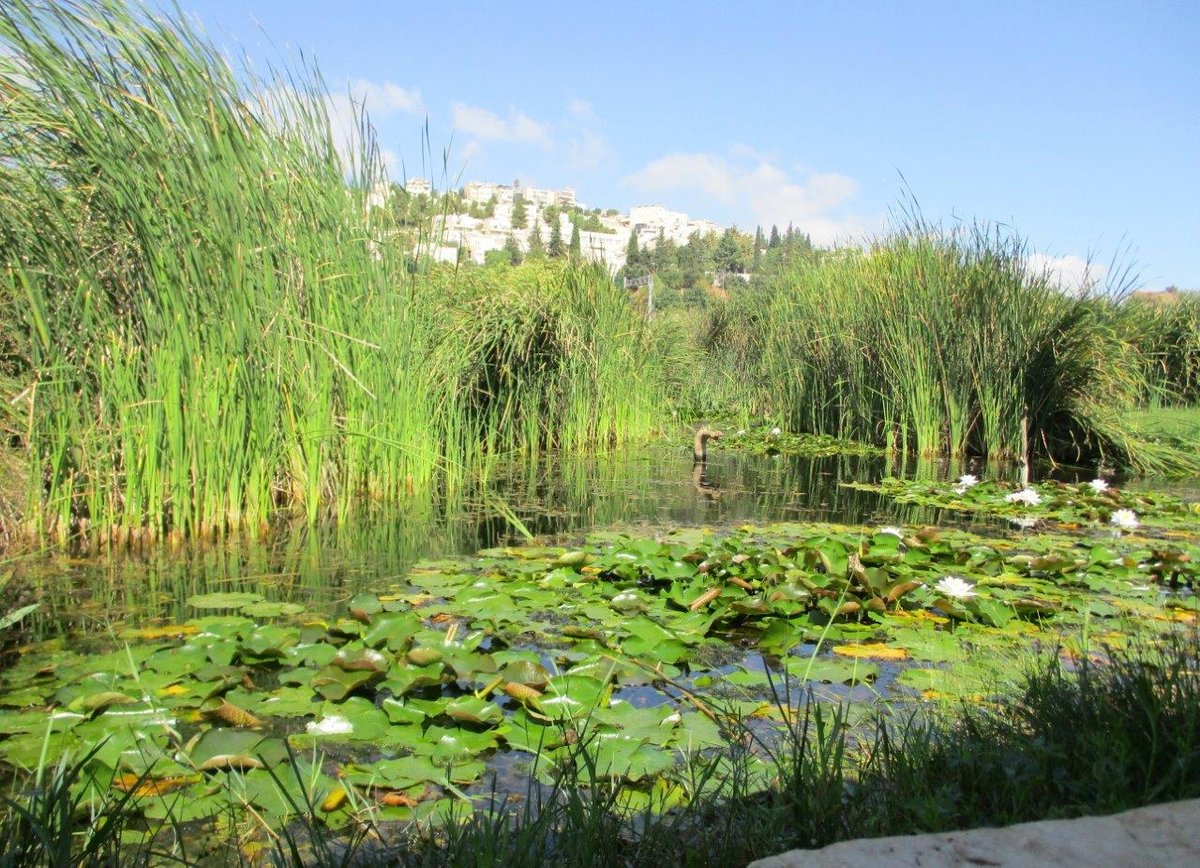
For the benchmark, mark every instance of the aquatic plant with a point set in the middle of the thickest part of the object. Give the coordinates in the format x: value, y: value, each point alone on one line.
x: 945, y: 341
x: 220, y: 326
x: 956, y: 587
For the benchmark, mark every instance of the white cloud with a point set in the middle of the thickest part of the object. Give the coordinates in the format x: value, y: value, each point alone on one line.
x: 377, y: 100
x: 758, y: 188
x: 582, y: 111
x: 585, y: 146
x: 387, y: 98
x: 488, y: 126
x: 1070, y: 273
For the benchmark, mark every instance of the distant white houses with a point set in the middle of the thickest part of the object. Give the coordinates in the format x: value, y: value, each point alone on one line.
x: 650, y: 220
x: 479, y: 236
x: 418, y: 187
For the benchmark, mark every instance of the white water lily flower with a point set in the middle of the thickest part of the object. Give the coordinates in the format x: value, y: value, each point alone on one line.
x: 334, y: 724
x: 1025, y: 522
x: 892, y: 531
x: 1098, y: 485
x: 1025, y: 495
x: 955, y: 586
x: 741, y: 432
x: 776, y: 431
x: 967, y: 480
x: 1124, y: 519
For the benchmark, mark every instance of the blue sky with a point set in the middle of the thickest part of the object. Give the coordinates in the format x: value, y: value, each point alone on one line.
x: 1077, y: 123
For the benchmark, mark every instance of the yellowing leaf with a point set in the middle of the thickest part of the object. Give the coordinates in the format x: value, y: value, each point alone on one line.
x: 164, y: 631
x: 875, y: 651
x: 334, y: 800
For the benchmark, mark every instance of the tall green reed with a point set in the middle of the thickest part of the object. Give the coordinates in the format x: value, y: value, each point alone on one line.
x: 946, y: 342
x: 220, y: 324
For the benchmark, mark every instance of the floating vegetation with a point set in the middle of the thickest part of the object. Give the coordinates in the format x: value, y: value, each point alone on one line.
x: 776, y: 441
x: 645, y: 649
x: 1092, y: 505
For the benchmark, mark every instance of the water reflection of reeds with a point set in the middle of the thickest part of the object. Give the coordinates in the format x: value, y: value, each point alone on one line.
x: 553, y: 496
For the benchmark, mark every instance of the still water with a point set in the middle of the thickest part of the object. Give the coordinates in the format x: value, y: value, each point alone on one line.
x: 557, y: 499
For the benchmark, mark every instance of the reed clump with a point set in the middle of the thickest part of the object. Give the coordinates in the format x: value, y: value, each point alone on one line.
x: 217, y: 327
x: 946, y: 342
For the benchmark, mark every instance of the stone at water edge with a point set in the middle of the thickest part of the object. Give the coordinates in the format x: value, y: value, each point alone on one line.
x: 1159, y: 835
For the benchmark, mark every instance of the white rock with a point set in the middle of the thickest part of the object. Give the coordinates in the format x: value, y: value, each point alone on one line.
x: 1160, y: 835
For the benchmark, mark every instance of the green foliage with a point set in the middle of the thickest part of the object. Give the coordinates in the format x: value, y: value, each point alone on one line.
x: 537, y: 245
x: 520, y: 214
x: 512, y: 248
x: 940, y: 342
x: 555, y: 249
x: 575, y: 251
x: 1169, y: 333
x: 212, y: 326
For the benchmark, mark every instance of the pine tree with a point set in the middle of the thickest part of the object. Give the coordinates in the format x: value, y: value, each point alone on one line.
x: 576, y: 249
x: 520, y: 218
x: 635, y: 265
x: 775, y: 239
x: 513, y: 248
x: 537, y: 247
x: 556, y: 248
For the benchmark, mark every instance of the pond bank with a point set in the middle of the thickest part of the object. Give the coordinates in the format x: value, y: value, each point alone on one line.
x: 1159, y: 835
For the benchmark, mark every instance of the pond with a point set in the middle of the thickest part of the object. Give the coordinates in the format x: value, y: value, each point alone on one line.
x: 645, y: 492
x: 418, y: 659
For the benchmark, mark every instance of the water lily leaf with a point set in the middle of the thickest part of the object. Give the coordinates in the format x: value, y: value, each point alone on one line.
x: 287, y: 792
x: 271, y: 610
x: 402, y: 713
x: 392, y: 630
x: 364, y: 606
x: 195, y: 802
x: 928, y: 644
x: 224, y: 600
x: 874, y: 651
x: 164, y: 631
x: 649, y: 641
x: 224, y: 711
x: 410, y: 771
x: 227, y: 748
x: 654, y: 725
x: 281, y: 702
x: 35, y: 695
x: 96, y: 702
x: 569, y: 697
x: 528, y: 672
x: 446, y: 746
x: 995, y: 612
x: 359, y: 659
x: 335, y: 683
x: 269, y: 641
x: 230, y: 762
x: 572, y: 559
x: 469, y: 709
x: 832, y: 671
x: 315, y: 654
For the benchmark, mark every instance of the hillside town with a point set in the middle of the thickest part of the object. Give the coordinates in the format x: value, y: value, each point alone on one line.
x: 494, y: 217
